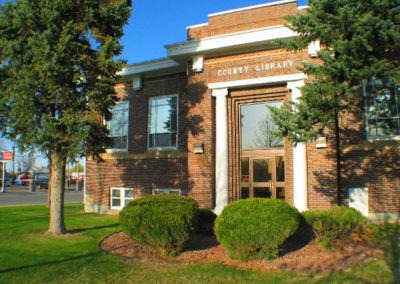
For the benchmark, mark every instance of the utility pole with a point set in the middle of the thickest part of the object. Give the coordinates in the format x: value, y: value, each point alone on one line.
x: 14, y: 161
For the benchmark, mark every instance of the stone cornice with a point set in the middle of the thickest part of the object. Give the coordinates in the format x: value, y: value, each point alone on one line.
x: 259, y: 37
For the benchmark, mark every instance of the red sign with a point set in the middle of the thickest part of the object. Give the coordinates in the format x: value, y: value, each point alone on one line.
x: 7, y: 156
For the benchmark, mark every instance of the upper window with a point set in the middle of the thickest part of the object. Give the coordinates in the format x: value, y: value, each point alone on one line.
x: 382, y: 109
x: 163, y: 122
x: 118, y: 126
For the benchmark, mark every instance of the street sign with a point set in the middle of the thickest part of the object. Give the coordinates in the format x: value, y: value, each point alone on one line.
x: 7, y: 156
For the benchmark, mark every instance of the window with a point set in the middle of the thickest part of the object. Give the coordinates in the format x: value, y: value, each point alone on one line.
x: 118, y: 126
x: 163, y: 122
x: 382, y: 105
x: 257, y: 127
x: 120, y: 197
x: 166, y: 191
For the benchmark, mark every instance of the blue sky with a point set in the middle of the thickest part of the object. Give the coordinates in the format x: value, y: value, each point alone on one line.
x: 156, y: 23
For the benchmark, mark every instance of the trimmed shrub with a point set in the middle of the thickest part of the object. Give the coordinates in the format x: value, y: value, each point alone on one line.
x: 205, y: 222
x: 334, y: 226
x: 164, y: 221
x: 256, y: 228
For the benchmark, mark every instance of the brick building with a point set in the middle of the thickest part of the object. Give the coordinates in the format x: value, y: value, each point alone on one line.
x: 197, y: 123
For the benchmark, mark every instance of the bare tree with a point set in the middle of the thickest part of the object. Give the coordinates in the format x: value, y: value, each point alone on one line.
x: 264, y: 136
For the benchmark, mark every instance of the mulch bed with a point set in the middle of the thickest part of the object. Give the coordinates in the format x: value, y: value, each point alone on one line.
x: 205, y: 249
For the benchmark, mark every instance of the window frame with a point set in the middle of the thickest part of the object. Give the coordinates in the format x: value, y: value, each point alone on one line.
x: 106, y: 122
x: 122, y: 197
x: 395, y: 89
x: 149, y: 120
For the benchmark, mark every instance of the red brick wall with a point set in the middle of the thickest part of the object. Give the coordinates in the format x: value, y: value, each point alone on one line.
x: 364, y: 164
x: 371, y: 164
x: 244, y: 20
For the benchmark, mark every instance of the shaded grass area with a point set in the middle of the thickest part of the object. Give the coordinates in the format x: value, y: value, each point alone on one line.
x: 28, y: 255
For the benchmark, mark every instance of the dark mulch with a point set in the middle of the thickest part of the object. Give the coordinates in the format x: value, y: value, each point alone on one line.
x: 205, y: 249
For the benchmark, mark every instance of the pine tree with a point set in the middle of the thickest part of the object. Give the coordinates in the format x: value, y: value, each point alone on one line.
x: 359, y: 40
x: 57, y: 75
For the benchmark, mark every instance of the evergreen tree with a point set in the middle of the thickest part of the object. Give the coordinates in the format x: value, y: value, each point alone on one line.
x: 359, y: 40
x: 57, y: 76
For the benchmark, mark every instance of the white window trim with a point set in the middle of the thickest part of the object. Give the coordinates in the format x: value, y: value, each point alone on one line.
x: 366, y: 126
x: 112, y: 150
x: 165, y: 190
x: 122, y: 197
x: 149, y: 121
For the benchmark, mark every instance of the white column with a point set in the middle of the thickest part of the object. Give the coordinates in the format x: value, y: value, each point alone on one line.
x: 221, y: 158
x: 300, y: 195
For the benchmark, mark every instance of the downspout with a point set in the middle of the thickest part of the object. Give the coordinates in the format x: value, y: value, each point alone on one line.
x: 338, y: 159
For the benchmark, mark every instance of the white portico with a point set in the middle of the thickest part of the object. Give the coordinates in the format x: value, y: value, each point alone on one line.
x: 220, y: 91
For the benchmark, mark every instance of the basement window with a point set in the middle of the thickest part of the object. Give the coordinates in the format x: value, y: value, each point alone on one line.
x: 167, y: 191
x: 120, y: 197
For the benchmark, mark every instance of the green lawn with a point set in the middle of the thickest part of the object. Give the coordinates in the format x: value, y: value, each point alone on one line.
x: 27, y: 255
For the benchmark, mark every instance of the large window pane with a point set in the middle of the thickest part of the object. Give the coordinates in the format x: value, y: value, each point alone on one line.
x: 118, y: 126
x: 382, y: 109
x: 257, y: 127
x: 245, y: 169
x: 280, y: 168
x: 262, y: 170
x: 163, y: 122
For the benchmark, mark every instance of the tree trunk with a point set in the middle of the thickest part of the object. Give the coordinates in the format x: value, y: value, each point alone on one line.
x: 57, y: 183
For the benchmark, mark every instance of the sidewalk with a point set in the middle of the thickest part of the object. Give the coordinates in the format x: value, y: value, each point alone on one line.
x: 26, y: 188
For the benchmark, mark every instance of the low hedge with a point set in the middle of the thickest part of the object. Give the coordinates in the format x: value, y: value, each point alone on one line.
x: 256, y: 228
x: 164, y: 222
x: 331, y: 227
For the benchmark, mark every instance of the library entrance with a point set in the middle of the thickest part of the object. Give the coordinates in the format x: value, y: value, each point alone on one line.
x: 262, y: 170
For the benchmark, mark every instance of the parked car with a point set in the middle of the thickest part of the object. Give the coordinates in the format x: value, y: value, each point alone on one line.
x: 42, y: 180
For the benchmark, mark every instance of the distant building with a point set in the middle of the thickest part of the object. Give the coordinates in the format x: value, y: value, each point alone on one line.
x: 197, y: 123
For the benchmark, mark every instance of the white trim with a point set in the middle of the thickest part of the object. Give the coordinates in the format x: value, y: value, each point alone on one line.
x: 221, y: 150
x: 300, y: 193
x: 251, y: 7
x: 358, y: 199
x: 196, y: 26
x: 229, y: 40
x: 122, y: 197
x: 198, y: 63
x: 149, y: 66
x: 258, y: 81
x: 137, y: 82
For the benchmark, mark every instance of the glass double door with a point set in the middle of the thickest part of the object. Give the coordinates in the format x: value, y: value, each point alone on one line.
x: 262, y: 174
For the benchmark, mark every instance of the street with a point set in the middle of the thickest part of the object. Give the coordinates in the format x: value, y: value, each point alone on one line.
x: 20, y: 195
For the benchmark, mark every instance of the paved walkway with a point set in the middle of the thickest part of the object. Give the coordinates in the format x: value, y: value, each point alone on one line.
x: 20, y: 195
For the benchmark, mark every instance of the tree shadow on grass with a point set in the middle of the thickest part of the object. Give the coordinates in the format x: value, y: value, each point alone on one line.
x: 76, y: 231
x: 40, y: 265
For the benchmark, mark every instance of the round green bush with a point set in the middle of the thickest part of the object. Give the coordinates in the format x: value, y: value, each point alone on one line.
x: 205, y: 219
x: 339, y: 223
x: 256, y: 228
x: 164, y: 221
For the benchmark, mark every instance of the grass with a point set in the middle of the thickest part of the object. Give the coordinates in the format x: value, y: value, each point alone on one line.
x: 27, y: 255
